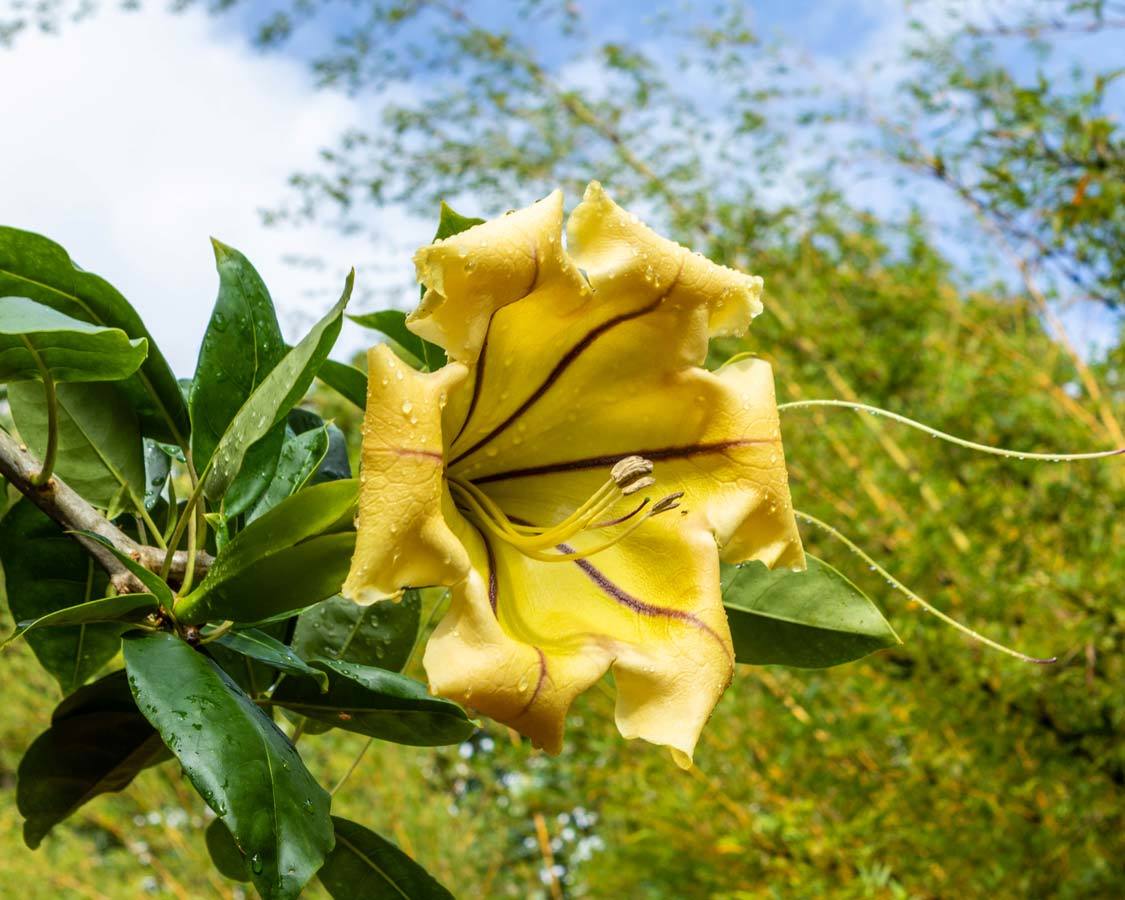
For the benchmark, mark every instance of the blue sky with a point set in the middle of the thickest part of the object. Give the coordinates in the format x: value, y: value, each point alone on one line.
x: 141, y: 134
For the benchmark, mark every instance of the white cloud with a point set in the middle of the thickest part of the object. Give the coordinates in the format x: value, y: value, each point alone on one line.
x: 132, y: 138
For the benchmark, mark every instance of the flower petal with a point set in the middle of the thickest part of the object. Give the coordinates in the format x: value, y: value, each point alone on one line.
x: 621, y: 255
x: 568, y: 382
x: 402, y: 537
x: 472, y: 274
x: 523, y: 637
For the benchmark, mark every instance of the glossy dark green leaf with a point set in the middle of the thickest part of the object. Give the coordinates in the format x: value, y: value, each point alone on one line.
x: 808, y: 620
x: 272, y: 399
x: 382, y: 634
x: 158, y: 466
x: 224, y: 852
x: 119, y: 608
x: 378, y: 703
x: 348, y: 381
x: 33, y: 266
x: 34, y: 337
x: 392, y: 323
x: 292, y: 557
x: 97, y: 743
x: 243, y: 766
x: 99, y: 453
x: 301, y: 456
x: 258, y: 645
x: 253, y: 676
x: 335, y: 466
x: 45, y: 570
x: 291, y: 579
x: 366, y: 866
x: 242, y: 345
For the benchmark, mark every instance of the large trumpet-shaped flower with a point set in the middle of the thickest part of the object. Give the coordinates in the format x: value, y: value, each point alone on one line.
x: 573, y: 474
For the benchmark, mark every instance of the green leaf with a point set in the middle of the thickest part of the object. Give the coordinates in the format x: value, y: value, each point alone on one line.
x: 224, y: 852
x: 243, y: 766
x: 153, y: 582
x: 301, y: 455
x: 377, y: 703
x: 348, y: 381
x: 392, y: 323
x: 291, y: 579
x: 259, y: 574
x: 252, y: 676
x: 45, y: 571
x: 382, y: 634
x: 335, y: 466
x: 260, y: 646
x: 451, y: 222
x: 366, y: 866
x: 99, y: 453
x: 271, y: 401
x: 34, y: 337
x: 808, y: 620
x: 34, y: 267
x: 158, y: 466
x: 97, y: 744
x: 242, y: 345
x: 122, y: 608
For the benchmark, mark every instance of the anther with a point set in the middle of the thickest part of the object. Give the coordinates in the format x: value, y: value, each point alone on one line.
x: 666, y: 503
x: 632, y: 474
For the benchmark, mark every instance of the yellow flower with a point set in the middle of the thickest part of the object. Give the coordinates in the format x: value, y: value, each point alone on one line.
x: 573, y: 474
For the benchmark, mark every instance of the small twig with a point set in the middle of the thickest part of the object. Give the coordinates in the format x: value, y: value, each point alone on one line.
x: 73, y: 513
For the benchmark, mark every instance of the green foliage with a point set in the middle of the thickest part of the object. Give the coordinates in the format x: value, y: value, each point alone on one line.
x: 269, y: 403
x: 44, y: 572
x: 242, y: 345
x: 257, y: 645
x: 295, y: 555
x: 384, y: 632
x: 99, y: 438
x: 365, y: 866
x: 97, y: 743
x: 239, y: 761
x: 378, y: 703
x: 34, y: 267
x: 35, y: 339
x: 808, y: 620
x: 270, y: 492
x: 118, y: 608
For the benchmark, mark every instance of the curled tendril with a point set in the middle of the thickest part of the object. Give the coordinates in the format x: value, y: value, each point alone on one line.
x: 953, y: 439
x: 909, y: 594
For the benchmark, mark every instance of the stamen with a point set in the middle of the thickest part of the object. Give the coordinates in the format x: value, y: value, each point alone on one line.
x: 663, y: 505
x: 628, y: 475
x: 632, y: 474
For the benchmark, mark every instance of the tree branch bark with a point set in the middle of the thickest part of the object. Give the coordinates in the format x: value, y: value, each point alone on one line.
x: 66, y: 507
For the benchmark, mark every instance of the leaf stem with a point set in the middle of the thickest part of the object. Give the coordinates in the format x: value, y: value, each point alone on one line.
x: 953, y: 439
x: 44, y: 475
x: 182, y: 523
x: 910, y: 595
x: 217, y: 633
x: 189, y: 572
x: 151, y: 525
